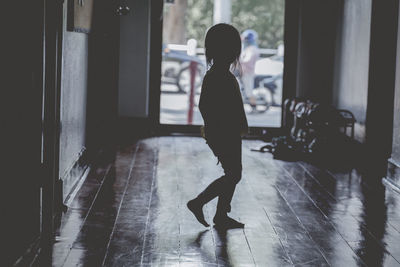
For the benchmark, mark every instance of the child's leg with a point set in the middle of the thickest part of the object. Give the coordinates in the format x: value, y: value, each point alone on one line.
x: 232, y: 164
x: 222, y: 187
x: 196, y: 205
x: 225, y: 196
x: 233, y: 172
x: 212, y: 190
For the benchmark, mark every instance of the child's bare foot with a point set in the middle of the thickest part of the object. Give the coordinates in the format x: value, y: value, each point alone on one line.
x: 197, y: 211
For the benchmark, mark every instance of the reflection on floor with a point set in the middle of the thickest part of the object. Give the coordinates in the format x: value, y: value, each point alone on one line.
x: 132, y: 212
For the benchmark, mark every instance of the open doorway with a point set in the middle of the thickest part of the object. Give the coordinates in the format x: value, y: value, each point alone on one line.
x: 184, y: 64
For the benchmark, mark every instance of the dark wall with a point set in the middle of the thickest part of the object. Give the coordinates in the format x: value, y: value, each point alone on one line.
x: 20, y: 130
x: 350, y: 89
x: 346, y: 57
x: 74, y: 84
x: 291, y: 38
x: 393, y: 164
x: 103, y: 77
x: 89, y: 92
x: 30, y: 111
x: 316, y: 46
x: 396, y: 120
x: 134, y: 61
x: 381, y: 82
x: 156, y: 26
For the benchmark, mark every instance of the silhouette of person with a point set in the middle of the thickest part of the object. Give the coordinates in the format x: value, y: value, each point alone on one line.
x: 248, y: 59
x: 225, y: 122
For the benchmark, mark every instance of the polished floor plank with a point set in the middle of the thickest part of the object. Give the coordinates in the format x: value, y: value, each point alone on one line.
x: 330, y: 241
x: 162, y: 232
x: 349, y: 228
x: 126, y: 244
x: 131, y: 211
x: 326, y: 203
x: 393, y: 202
x: 376, y: 221
x: 92, y: 241
x: 258, y: 228
x: 364, y: 215
x: 288, y: 226
x: 197, y: 243
x: 73, y: 220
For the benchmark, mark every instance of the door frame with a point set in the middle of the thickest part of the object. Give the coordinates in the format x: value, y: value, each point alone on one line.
x: 291, y: 33
x: 52, y: 62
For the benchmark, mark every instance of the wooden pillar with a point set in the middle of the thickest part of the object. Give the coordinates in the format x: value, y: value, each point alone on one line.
x: 381, y: 83
x: 316, y: 47
x: 393, y: 171
x: 291, y: 38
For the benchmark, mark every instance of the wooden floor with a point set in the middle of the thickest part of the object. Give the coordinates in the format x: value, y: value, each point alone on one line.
x: 131, y: 211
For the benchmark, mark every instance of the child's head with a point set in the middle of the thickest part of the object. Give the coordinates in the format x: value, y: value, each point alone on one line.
x: 223, y: 44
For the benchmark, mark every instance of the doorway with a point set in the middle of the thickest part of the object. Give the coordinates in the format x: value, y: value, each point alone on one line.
x: 184, y: 65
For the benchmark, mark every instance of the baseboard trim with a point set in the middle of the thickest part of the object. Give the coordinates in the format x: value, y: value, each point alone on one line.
x: 30, y: 254
x: 389, y: 183
x: 392, y: 178
x: 73, y: 176
x: 394, y: 163
x: 70, y: 197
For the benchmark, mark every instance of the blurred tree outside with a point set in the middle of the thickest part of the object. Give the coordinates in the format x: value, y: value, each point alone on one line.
x: 187, y: 19
x: 266, y: 17
x: 175, y: 15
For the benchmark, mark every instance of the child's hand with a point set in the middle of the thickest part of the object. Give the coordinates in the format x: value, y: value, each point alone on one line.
x: 202, y: 131
x: 244, y: 131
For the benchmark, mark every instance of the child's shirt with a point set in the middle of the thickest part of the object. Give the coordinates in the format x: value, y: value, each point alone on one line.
x: 221, y: 105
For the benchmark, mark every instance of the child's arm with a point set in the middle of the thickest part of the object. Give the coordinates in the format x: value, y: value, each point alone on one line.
x: 207, y: 104
x: 239, y: 108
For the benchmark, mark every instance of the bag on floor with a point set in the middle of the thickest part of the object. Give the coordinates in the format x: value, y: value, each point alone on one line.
x: 284, y: 148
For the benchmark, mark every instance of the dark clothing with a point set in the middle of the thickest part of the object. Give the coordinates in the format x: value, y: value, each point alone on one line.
x: 221, y: 107
x: 224, y: 187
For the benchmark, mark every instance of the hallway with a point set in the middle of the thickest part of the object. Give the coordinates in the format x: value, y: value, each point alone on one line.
x: 131, y: 211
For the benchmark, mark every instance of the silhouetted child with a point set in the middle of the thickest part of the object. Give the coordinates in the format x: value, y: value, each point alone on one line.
x: 221, y: 107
